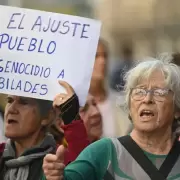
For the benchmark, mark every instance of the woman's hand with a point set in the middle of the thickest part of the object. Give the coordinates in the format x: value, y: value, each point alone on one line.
x: 62, y: 98
x: 53, y: 165
x: 68, y: 104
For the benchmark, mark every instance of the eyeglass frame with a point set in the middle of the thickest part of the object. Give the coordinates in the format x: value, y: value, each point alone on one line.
x: 151, y: 91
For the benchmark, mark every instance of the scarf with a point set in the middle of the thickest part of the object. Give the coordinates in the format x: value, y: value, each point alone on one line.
x: 18, y: 168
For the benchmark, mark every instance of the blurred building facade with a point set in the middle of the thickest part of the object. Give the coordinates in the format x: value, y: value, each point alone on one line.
x: 152, y: 25
x: 73, y: 7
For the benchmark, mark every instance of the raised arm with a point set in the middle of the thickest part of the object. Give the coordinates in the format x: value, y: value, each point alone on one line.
x: 91, y: 164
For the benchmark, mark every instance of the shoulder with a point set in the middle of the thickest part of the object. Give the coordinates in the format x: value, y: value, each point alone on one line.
x: 108, y: 143
x: 99, y: 149
x: 104, y: 142
x: 102, y: 147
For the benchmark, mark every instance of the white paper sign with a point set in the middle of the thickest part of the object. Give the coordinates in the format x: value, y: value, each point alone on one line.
x: 39, y: 48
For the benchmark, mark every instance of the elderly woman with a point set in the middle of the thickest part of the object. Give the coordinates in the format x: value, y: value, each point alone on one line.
x: 26, y: 124
x: 151, y: 151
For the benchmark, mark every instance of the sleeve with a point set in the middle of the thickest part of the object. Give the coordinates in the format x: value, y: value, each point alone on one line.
x: 43, y: 177
x: 92, y: 163
x: 76, y: 137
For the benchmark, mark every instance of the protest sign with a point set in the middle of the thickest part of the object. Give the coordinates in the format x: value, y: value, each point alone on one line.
x: 39, y: 48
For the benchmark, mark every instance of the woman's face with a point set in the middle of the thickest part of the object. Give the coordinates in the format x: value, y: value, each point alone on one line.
x: 22, y: 117
x: 92, y: 119
x: 150, y: 114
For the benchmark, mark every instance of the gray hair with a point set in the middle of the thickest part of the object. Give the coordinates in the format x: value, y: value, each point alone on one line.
x: 45, y: 106
x: 145, y: 68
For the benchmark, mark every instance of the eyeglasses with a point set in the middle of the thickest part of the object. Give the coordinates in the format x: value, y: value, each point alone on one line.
x: 139, y: 94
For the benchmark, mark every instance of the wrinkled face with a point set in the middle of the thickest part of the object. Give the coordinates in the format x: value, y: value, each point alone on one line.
x: 92, y: 118
x: 149, y: 114
x: 100, y: 63
x: 22, y: 117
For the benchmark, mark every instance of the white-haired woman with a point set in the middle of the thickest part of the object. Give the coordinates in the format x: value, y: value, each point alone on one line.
x: 151, y: 151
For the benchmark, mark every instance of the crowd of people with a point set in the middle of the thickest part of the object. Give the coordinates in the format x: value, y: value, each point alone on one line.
x: 60, y: 140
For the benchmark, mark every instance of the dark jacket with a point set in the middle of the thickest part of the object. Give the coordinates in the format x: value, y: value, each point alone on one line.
x: 35, y: 166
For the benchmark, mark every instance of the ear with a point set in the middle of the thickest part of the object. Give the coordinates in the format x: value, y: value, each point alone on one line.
x: 49, y: 118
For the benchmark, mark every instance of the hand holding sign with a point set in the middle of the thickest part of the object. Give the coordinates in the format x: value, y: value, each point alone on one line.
x: 53, y: 164
x: 68, y: 104
x: 61, y: 98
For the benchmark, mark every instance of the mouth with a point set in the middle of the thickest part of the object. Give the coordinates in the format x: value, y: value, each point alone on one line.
x: 96, y: 122
x: 146, y: 113
x: 11, y: 121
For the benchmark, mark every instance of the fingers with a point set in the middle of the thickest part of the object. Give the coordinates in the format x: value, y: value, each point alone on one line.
x: 67, y: 87
x: 60, y: 99
x: 58, y: 157
x: 54, y: 178
x: 53, y: 166
x: 53, y: 174
x: 50, y: 158
x: 60, y: 153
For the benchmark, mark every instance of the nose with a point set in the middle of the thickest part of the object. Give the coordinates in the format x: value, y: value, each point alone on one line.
x: 12, y: 109
x: 95, y: 111
x: 102, y: 60
x: 148, y: 98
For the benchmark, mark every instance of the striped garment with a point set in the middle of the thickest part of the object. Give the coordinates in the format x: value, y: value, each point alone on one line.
x: 109, y: 155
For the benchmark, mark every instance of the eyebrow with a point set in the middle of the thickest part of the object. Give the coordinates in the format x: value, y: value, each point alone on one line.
x: 9, y: 97
x: 140, y: 86
x: 24, y: 98
x: 153, y: 87
x: 27, y: 99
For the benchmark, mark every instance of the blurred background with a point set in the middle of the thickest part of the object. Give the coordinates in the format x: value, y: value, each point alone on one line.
x: 146, y: 27
x: 151, y: 26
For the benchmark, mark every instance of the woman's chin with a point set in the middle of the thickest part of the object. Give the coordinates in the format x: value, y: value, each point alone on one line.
x: 147, y: 127
x: 11, y: 135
